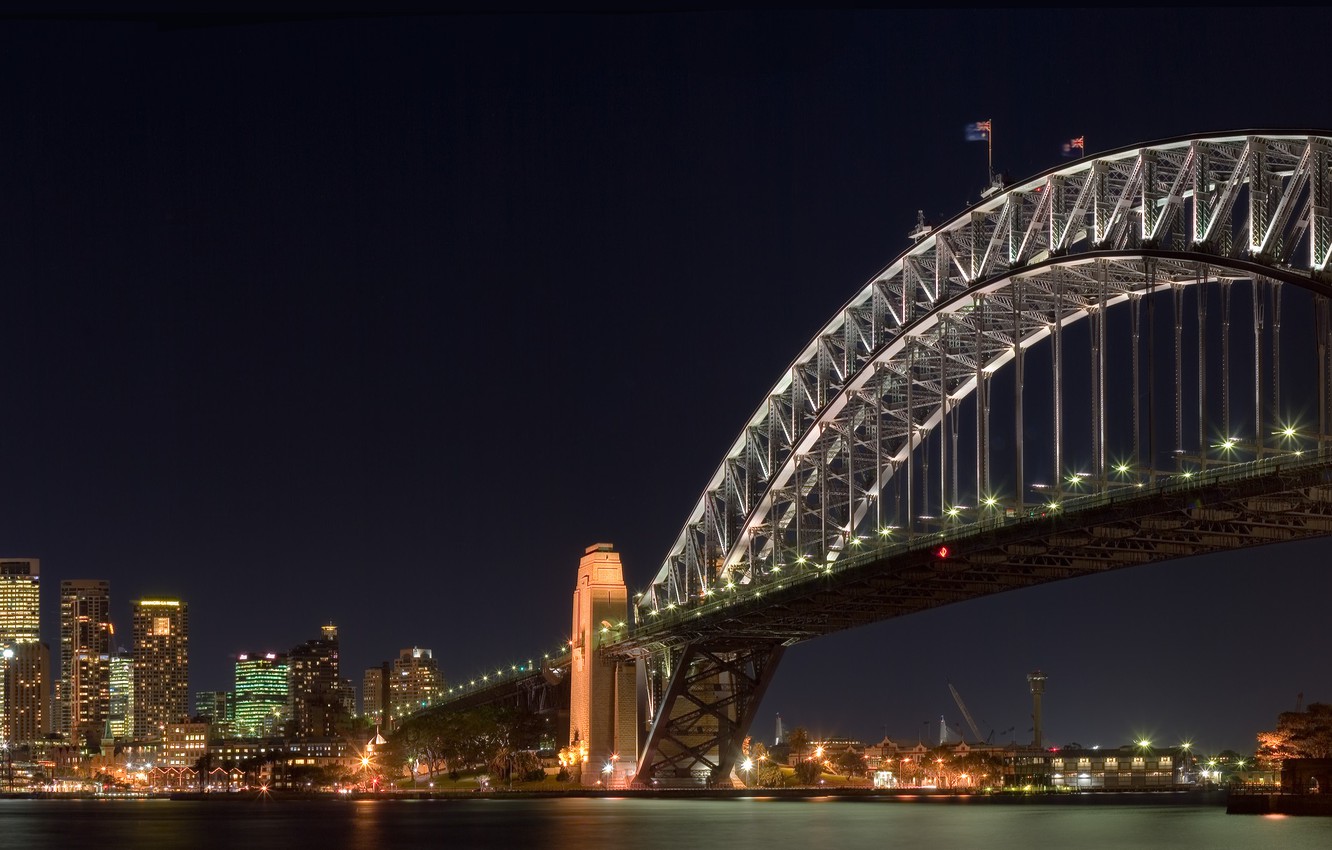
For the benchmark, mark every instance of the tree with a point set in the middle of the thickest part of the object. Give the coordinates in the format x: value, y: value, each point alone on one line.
x: 769, y: 775
x: 1299, y: 734
x: 798, y: 739
x: 851, y: 764
x: 808, y: 772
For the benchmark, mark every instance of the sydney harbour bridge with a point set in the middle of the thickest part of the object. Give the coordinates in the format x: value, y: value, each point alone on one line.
x: 1117, y: 362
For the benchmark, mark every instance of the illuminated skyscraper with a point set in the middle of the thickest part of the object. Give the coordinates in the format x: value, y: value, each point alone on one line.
x: 27, y: 686
x: 25, y: 662
x: 219, y: 709
x: 262, y: 694
x: 85, y: 652
x: 374, y: 686
x: 120, y: 705
x: 20, y: 602
x: 415, y: 682
x: 315, y: 685
x: 161, y: 665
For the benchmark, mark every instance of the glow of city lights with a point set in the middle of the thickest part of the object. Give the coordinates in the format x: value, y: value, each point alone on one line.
x: 747, y: 764
x: 1144, y: 743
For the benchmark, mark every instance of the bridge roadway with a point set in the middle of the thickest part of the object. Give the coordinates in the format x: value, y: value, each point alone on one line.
x: 1273, y: 500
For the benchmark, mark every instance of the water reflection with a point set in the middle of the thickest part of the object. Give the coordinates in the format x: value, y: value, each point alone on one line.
x: 633, y: 824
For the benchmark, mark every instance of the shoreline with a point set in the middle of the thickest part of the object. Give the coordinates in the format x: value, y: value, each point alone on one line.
x: 1131, y: 797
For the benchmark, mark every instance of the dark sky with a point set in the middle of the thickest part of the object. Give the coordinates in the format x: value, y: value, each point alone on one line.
x: 383, y: 320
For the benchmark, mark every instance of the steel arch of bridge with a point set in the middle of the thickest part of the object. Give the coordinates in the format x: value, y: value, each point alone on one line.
x: 808, y: 472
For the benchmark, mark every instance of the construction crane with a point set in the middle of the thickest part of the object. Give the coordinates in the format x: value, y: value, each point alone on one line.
x: 966, y: 715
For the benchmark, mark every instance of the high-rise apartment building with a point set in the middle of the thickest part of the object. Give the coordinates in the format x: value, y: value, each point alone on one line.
x: 415, y: 682
x: 262, y: 688
x: 120, y: 705
x: 25, y: 662
x: 316, y: 685
x: 85, y: 652
x: 374, y: 694
x: 161, y: 665
x: 26, y: 671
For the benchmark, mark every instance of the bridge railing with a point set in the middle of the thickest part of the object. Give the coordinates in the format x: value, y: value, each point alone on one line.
x: 504, y: 674
x: 860, y: 554
x: 666, y: 618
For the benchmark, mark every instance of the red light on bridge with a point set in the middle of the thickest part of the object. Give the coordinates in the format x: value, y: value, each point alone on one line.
x: 941, y: 552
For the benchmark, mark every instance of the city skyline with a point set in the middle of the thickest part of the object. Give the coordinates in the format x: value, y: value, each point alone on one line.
x: 382, y: 322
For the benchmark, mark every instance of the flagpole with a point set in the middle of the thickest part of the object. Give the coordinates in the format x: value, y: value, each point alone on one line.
x: 989, y: 148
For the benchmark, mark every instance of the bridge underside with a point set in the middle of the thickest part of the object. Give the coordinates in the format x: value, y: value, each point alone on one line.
x: 707, y: 669
x: 1183, y: 520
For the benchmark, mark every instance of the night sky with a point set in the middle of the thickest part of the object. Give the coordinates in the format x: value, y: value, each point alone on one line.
x: 384, y: 320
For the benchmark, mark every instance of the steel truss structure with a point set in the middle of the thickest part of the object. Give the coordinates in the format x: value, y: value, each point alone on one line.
x: 701, y: 719
x: 809, y: 476
x: 825, y: 513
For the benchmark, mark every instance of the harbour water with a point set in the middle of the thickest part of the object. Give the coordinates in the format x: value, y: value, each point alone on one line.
x: 637, y: 824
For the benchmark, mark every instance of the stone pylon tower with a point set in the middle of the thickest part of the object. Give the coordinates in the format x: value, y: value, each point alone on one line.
x: 603, y: 709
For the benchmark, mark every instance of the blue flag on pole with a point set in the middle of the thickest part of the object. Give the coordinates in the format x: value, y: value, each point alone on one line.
x: 978, y: 132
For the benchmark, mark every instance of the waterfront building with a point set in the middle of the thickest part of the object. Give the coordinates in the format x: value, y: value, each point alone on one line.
x: 85, y: 651
x: 415, y: 682
x: 315, y: 684
x: 262, y: 694
x: 184, y: 743
x: 161, y: 665
x: 120, y: 700
x: 1124, y: 768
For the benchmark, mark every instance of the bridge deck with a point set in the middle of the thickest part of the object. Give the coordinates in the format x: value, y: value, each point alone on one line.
x: 1271, y: 501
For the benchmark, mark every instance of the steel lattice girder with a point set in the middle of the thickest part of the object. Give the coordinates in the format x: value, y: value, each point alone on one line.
x: 1269, y: 502
x: 807, y: 469
x: 712, y: 690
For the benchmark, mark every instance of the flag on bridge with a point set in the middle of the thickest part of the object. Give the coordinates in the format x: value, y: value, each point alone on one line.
x: 1079, y: 144
x: 978, y: 132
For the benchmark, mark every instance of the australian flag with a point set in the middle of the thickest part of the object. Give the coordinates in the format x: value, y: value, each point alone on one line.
x: 1075, y: 147
x: 978, y: 132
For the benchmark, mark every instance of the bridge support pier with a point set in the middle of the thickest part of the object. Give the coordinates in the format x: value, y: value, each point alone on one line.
x: 603, y: 709
x: 712, y: 692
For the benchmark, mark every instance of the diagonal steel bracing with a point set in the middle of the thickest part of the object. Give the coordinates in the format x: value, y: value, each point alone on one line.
x: 712, y: 690
x: 819, y: 460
